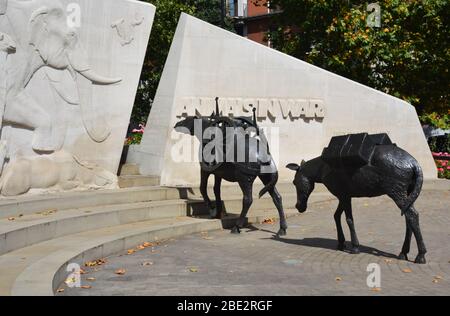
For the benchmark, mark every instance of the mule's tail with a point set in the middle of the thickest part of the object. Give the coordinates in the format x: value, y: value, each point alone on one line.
x: 416, y: 187
x: 269, y: 186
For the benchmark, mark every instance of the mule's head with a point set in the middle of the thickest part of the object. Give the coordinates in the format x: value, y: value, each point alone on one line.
x: 186, y: 125
x: 303, y: 184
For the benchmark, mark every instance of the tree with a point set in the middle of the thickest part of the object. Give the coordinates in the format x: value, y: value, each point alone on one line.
x: 408, y: 56
x: 163, y: 31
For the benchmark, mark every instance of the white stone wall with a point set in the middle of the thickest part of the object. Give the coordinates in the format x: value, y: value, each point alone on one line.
x: 71, y: 83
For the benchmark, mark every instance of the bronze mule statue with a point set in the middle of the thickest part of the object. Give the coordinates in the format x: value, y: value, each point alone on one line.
x: 257, y: 163
x: 363, y: 165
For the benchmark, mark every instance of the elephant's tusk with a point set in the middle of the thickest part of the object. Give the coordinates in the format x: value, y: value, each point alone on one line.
x: 97, y: 79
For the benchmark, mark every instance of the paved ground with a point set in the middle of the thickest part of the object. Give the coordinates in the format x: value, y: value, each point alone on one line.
x: 303, y: 263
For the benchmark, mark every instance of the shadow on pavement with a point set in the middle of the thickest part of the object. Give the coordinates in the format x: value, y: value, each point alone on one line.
x: 331, y: 244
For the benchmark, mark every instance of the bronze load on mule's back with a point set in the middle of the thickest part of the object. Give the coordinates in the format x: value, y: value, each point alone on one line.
x: 354, y: 150
x: 233, y: 131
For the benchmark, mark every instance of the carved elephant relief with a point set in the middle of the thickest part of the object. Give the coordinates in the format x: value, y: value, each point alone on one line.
x: 44, y: 71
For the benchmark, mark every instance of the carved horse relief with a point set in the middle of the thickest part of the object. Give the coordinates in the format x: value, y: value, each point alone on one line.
x: 48, y: 71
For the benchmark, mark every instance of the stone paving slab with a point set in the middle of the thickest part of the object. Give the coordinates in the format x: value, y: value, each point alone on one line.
x: 305, y: 262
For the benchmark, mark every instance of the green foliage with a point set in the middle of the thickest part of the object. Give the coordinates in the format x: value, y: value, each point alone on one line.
x: 164, y: 26
x: 436, y: 120
x: 407, y: 57
x: 134, y: 139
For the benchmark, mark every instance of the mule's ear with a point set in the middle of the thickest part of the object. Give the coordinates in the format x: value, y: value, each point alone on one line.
x: 303, y: 162
x: 293, y: 166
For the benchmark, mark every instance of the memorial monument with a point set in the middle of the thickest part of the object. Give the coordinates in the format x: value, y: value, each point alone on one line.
x: 300, y: 105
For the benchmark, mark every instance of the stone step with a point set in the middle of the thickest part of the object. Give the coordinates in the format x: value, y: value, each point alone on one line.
x: 234, y: 190
x: 14, y: 207
x: 32, y: 229
x: 132, y: 181
x: 39, y: 269
x: 129, y: 169
x: 196, y: 207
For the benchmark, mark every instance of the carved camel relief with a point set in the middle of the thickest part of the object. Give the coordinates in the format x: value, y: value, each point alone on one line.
x: 49, y: 43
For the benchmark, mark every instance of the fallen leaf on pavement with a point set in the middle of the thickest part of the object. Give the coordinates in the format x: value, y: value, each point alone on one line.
x: 47, y: 213
x: 11, y: 218
x: 82, y: 271
x: 407, y: 270
x: 147, y: 244
x: 146, y: 264
x: 338, y: 279
x: 193, y: 269
x: 91, y: 279
x: 269, y: 221
x: 130, y: 251
x: 140, y: 247
x: 376, y: 289
x: 388, y: 261
x: 59, y: 290
x: 435, y: 281
x: 86, y: 287
x: 94, y: 263
x: 120, y: 271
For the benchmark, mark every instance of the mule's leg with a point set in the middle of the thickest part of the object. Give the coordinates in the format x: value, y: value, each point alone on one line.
x: 351, y: 225
x: 412, y: 216
x: 278, y: 201
x: 340, y: 231
x: 246, y: 187
x: 407, y: 244
x: 204, y: 176
x: 217, y: 193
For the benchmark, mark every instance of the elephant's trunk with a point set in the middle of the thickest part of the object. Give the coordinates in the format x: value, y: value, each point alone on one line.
x: 94, y: 122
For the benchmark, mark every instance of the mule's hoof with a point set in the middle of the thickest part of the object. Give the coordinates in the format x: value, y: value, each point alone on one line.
x: 282, y: 232
x: 403, y: 256
x: 236, y: 230
x: 341, y: 247
x: 420, y: 259
x: 355, y: 251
